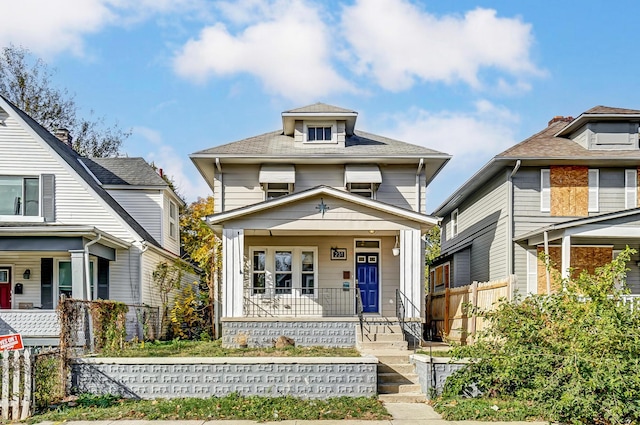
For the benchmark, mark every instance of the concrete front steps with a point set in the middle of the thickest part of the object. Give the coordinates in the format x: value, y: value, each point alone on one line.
x: 397, y: 380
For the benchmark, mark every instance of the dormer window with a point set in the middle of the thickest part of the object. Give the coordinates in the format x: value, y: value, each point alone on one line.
x: 320, y: 134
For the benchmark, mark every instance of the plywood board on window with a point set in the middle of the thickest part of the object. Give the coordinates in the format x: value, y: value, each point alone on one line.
x: 555, y: 263
x: 582, y: 258
x: 569, y: 190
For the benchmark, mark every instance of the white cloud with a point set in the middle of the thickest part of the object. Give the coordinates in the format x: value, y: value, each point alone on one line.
x: 149, y: 144
x: 398, y: 43
x: 471, y: 137
x: 287, y: 47
x: 51, y: 27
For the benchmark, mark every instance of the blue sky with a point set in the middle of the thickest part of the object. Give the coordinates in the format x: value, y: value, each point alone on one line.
x: 469, y: 78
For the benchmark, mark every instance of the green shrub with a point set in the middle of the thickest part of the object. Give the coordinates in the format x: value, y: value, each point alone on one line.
x: 574, y: 354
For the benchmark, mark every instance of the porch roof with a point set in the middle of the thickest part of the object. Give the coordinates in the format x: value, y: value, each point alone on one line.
x: 424, y: 220
x: 45, y: 230
x: 609, y: 225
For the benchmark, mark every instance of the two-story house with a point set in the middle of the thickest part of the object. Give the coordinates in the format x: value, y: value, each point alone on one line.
x: 570, y: 191
x: 319, y: 222
x: 74, y: 226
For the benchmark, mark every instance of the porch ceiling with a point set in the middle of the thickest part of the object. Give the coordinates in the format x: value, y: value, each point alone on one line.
x: 359, y: 233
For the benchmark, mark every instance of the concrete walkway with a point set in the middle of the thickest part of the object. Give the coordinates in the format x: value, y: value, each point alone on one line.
x: 403, y: 414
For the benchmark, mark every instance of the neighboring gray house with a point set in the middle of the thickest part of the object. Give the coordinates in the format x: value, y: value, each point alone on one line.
x: 86, y: 228
x: 573, y: 184
x: 308, y: 211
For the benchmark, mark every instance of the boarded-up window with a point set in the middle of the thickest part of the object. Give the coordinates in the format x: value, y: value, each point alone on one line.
x: 569, y: 191
x: 582, y: 258
x: 440, y: 277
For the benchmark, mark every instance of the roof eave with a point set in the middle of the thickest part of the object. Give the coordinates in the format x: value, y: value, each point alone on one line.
x: 585, y: 118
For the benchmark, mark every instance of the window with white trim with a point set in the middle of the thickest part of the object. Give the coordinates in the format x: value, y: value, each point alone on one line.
x: 454, y: 223
x: 545, y: 190
x: 594, y: 188
x: 20, y: 196
x: 173, y: 220
x: 284, y: 270
x: 367, y: 190
x: 65, y: 286
x: 630, y: 188
x: 320, y: 132
x: 276, y: 190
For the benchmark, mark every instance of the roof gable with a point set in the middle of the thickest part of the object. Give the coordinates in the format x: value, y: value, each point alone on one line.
x: 72, y: 159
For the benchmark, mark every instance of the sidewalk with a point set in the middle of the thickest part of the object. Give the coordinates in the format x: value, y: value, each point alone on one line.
x: 403, y: 414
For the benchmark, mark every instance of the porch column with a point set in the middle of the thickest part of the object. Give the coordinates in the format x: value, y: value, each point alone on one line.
x: 232, y: 272
x: 78, y: 288
x: 412, y: 271
x: 566, y: 256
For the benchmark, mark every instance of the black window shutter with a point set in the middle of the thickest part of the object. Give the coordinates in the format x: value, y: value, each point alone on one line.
x: 103, y: 279
x: 48, y: 197
x: 46, y: 283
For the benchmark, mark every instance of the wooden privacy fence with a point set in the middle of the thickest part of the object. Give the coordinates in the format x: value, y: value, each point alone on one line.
x: 448, y: 311
x: 15, y: 390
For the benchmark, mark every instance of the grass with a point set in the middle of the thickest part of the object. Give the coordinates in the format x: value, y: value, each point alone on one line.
x: 487, y: 409
x: 178, y: 348
x: 89, y: 407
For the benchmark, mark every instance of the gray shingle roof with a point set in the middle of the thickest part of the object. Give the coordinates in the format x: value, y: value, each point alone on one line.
x: 546, y: 145
x: 360, y: 144
x: 124, y: 171
x: 319, y: 108
x: 609, y: 110
x: 71, y: 157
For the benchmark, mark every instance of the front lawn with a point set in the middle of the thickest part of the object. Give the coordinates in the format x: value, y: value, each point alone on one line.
x: 178, y: 348
x: 233, y: 406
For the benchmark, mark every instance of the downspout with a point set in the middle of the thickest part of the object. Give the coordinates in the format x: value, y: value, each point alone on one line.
x: 87, y: 278
x: 418, y: 172
x: 219, y: 168
x: 510, y: 221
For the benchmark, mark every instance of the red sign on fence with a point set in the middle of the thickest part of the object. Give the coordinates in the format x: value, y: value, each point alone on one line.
x: 11, y: 342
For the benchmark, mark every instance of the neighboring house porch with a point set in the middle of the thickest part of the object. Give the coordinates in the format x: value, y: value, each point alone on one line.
x: 310, y: 264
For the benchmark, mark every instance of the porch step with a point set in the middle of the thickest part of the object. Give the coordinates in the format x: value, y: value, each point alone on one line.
x: 382, y: 337
x: 388, y: 328
x: 403, y: 368
x: 403, y: 398
x: 384, y: 345
x: 395, y: 388
x: 397, y: 378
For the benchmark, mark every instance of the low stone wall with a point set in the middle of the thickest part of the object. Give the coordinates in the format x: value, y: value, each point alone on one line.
x: 37, y: 327
x: 261, y: 331
x: 433, y: 371
x: 150, y: 378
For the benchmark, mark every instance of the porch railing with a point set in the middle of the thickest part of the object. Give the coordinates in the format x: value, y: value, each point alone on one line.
x: 412, y: 330
x: 322, y: 302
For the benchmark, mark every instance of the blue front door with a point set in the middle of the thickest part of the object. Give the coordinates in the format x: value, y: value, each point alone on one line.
x: 368, y: 280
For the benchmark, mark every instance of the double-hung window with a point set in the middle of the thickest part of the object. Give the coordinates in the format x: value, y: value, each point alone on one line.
x: 19, y: 196
x: 454, y: 223
x: 277, y: 180
x: 363, y: 180
x: 173, y: 220
x: 630, y: 188
x: 284, y: 270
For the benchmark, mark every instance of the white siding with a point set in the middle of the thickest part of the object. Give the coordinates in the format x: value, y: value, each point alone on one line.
x: 171, y: 244
x: 145, y: 206
x: 75, y: 202
x: 399, y: 186
x: 124, y: 276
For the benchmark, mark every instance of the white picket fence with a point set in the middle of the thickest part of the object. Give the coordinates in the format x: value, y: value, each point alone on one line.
x: 15, y: 389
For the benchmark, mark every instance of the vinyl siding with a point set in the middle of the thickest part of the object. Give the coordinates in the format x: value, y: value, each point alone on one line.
x: 611, y: 189
x: 461, y: 268
x: 483, y: 223
x: 145, y: 206
x: 526, y: 202
x: 241, y: 185
x: 124, y: 276
x: 75, y: 202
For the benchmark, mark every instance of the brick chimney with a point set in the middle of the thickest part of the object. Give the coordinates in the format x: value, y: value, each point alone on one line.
x: 64, y: 136
x: 560, y: 118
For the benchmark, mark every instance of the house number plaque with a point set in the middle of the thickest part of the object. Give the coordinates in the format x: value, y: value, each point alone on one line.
x: 338, y: 253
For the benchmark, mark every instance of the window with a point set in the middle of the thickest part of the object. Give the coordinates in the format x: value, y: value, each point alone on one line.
x: 319, y: 134
x: 284, y: 271
x: 440, y: 276
x: 65, y: 286
x: 454, y: 223
x: 367, y: 190
x: 594, y: 183
x: 630, y: 188
x: 545, y: 190
x: 173, y: 215
x: 276, y: 190
x: 19, y: 196
x: 258, y: 277
x: 308, y: 273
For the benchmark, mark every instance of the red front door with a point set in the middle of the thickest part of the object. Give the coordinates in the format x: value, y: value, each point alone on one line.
x: 5, y: 288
